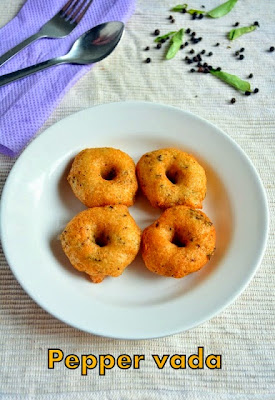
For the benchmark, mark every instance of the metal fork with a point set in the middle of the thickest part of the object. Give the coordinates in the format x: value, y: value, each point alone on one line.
x: 59, y: 26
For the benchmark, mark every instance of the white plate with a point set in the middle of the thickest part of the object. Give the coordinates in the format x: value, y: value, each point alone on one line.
x: 37, y: 203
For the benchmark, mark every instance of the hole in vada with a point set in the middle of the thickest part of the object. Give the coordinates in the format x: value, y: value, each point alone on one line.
x: 177, y: 240
x: 172, y: 175
x: 109, y: 174
x: 102, y: 240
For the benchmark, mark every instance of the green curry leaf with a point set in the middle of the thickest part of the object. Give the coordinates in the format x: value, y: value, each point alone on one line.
x: 222, y: 10
x: 191, y: 11
x: 232, y: 80
x: 159, y: 38
x: 175, y: 43
x: 179, y: 7
x: 235, y: 33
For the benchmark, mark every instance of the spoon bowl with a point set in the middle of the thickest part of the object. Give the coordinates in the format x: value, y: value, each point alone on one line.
x: 96, y: 44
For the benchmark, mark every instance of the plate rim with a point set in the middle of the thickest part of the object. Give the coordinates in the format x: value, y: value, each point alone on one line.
x: 235, y: 294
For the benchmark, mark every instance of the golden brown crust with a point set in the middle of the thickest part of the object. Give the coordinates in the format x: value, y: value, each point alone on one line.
x: 101, y: 241
x: 180, y: 242
x: 103, y: 176
x: 170, y: 177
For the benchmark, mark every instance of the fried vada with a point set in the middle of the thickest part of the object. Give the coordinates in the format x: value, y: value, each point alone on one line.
x: 180, y: 242
x: 101, y: 241
x: 103, y: 176
x: 170, y: 177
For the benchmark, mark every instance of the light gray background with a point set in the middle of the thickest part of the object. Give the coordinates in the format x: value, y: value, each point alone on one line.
x: 244, y: 332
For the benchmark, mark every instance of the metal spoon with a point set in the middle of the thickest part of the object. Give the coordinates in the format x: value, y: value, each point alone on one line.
x: 91, y: 47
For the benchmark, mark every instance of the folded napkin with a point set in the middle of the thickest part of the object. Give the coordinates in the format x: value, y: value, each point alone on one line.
x: 27, y: 103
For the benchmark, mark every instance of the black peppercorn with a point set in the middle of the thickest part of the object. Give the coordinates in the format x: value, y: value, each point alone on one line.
x: 162, y: 40
x: 148, y: 60
x: 183, y: 10
x: 200, y: 16
x: 194, y: 16
x: 147, y: 48
x: 182, y: 46
x: 170, y: 17
x: 189, y: 61
x: 271, y: 49
x: 256, y: 90
x: 256, y: 23
x: 159, y: 46
x: 218, y: 69
x: 237, y: 53
x: 210, y: 54
x: 217, y: 44
x: 172, y: 21
x: 250, y: 76
x: 193, y: 34
x: 192, y: 70
x: 157, y: 32
x: 247, y: 93
x: 192, y: 51
x: 203, y: 52
x: 242, y: 50
x: 188, y: 30
x: 233, y: 100
x: 241, y: 57
x: 236, y: 24
x: 186, y: 44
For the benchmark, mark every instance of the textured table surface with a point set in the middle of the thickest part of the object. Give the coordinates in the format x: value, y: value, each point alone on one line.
x: 244, y: 332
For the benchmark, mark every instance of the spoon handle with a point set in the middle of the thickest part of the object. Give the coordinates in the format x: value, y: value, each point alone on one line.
x: 21, y: 73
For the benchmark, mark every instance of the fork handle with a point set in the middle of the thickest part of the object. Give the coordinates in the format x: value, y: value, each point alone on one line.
x: 10, y: 53
x: 21, y: 73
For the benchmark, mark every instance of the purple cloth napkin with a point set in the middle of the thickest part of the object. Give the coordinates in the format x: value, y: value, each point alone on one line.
x: 26, y: 104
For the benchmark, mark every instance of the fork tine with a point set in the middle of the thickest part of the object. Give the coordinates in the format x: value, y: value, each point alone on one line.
x: 79, y: 17
x: 65, y: 8
x: 71, y: 9
x: 80, y: 11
